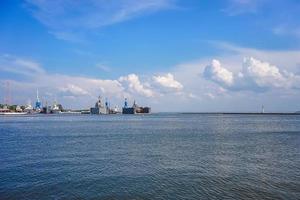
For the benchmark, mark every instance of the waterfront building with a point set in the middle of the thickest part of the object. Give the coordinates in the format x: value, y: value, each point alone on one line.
x: 18, y: 109
x: 5, y: 109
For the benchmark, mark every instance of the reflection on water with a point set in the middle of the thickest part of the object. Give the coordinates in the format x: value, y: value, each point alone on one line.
x: 159, y: 156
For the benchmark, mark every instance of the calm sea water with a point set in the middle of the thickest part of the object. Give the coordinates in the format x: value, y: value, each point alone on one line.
x: 159, y: 156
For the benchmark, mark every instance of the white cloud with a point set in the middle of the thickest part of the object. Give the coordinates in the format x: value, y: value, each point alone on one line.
x: 21, y: 66
x: 263, y: 74
x: 168, y: 81
x: 233, y: 54
x: 134, y: 85
x: 254, y: 75
x: 67, y: 18
x: 219, y: 74
x: 73, y: 90
x: 244, y: 94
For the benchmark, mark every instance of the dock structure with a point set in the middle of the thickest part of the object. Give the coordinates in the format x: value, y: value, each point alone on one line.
x: 135, y: 109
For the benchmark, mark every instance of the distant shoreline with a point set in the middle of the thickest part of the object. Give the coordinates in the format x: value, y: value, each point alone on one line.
x: 154, y: 113
x: 244, y: 113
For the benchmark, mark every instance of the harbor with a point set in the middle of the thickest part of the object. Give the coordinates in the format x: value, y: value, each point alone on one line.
x: 100, y: 108
x: 103, y: 107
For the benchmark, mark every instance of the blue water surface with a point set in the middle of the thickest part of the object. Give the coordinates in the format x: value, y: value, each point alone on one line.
x: 157, y: 156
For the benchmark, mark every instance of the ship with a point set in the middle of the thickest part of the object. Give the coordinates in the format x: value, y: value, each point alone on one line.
x: 100, y: 108
x: 28, y: 108
x: 135, y: 109
x: 55, y: 108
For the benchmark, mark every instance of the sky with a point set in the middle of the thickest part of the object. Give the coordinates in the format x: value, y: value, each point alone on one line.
x: 172, y: 55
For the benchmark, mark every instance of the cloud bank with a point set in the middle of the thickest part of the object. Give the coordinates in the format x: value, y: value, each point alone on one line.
x: 240, y: 80
x: 76, y: 91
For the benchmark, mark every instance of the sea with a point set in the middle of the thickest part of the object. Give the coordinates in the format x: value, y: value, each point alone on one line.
x: 155, y: 156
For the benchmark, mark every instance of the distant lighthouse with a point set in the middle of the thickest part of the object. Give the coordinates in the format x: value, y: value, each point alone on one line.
x: 262, y: 109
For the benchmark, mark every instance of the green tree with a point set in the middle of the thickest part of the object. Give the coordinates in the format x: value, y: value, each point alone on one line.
x: 12, y: 107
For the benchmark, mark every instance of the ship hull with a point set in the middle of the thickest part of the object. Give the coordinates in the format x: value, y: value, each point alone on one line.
x: 136, y: 110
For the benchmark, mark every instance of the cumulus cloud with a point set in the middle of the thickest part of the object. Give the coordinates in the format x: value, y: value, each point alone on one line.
x: 168, y: 82
x: 218, y: 74
x: 263, y: 74
x: 73, y: 90
x: 134, y: 85
x: 254, y: 75
x: 289, y: 59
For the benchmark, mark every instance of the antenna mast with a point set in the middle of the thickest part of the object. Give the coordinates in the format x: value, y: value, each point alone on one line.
x: 7, y: 97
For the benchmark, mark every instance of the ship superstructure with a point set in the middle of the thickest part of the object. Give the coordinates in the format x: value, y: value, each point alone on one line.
x: 55, y: 108
x: 100, y: 108
x: 103, y: 109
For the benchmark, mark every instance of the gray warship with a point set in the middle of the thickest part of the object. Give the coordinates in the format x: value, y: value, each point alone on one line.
x: 135, y: 109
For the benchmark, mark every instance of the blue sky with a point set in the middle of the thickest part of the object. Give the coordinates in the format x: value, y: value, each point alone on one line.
x: 229, y: 55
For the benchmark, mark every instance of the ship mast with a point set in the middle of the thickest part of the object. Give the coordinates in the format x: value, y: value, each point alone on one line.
x: 37, y: 103
x: 37, y: 95
x: 125, y: 103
